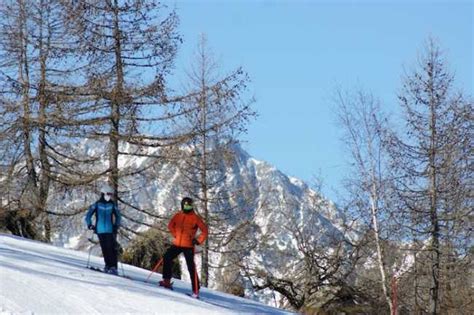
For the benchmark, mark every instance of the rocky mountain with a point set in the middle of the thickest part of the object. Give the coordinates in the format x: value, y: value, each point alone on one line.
x: 267, y: 205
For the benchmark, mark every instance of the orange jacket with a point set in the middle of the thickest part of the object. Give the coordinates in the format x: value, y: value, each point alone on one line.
x: 183, y: 227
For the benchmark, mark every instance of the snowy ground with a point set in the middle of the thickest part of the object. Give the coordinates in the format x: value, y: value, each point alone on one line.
x: 37, y: 278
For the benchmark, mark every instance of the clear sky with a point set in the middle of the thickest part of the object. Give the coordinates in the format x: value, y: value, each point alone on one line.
x: 298, y: 52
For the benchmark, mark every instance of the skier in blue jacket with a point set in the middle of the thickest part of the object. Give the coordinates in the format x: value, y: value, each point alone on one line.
x: 107, y: 222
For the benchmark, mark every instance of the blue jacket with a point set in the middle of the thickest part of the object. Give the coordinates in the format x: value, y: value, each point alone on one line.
x: 103, y: 210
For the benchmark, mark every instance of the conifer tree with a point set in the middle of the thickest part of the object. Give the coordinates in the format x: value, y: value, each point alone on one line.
x: 34, y: 42
x: 217, y: 112
x: 432, y: 163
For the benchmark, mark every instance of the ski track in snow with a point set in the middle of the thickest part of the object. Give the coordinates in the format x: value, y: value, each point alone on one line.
x: 37, y: 278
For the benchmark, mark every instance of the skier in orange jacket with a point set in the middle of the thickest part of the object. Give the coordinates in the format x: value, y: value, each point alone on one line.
x: 183, y: 227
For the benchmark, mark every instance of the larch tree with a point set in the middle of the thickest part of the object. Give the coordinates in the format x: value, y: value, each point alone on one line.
x: 130, y: 48
x: 432, y: 168
x: 217, y: 111
x: 34, y: 42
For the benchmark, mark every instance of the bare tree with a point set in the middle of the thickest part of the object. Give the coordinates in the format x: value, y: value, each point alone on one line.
x: 121, y: 40
x: 72, y: 71
x: 92, y: 70
x: 217, y: 112
x: 129, y: 49
x: 33, y: 42
x: 432, y: 164
x: 313, y: 264
x: 16, y: 46
x: 361, y: 117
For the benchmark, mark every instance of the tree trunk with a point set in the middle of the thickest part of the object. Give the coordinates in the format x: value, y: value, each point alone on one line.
x: 435, y: 250
x: 381, y: 264
x: 29, y: 194
x: 44, y: 181
x: 205, y: 251
x: 117, y: 100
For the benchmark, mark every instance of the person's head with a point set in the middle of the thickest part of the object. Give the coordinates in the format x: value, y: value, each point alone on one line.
x: 107, y: 192
x: 187, y: 204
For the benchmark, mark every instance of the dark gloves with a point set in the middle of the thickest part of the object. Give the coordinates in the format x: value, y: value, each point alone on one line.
x: 115, y: 229
x: 195, y: 241
x: 91, y: 227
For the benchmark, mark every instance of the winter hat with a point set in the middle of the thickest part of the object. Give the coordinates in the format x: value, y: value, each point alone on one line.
x: 186, y: 204
x: 106, y: 189
x: 107, y: 192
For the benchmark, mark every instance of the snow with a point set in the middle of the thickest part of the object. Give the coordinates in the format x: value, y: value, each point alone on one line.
x: 38, y: 278
x: 296, y: 181
x: 73, y: 242
x: 407, y: 264
x: 257, y: 163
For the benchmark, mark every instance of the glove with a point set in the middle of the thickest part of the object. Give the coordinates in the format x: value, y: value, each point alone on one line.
x: 91, y: 227
x: 195, y: 241
x: 115, y: 229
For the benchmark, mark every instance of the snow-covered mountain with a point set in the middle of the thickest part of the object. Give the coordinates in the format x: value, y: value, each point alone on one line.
x: 274, y: 203
x: 37, y: 278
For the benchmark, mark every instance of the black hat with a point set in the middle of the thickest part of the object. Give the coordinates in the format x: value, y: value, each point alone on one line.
x: 186, y: 201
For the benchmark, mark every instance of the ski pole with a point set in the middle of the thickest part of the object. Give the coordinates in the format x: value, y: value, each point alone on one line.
x: 89, y: 257
x: 154, y: 269
x: 196, y: 278
x: 119, y: 252
x: 121, y: 266
x: 90, y: 239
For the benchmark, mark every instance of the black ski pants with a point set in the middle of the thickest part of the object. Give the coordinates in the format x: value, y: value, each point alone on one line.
x: 171, y: 254
x: 109, y: 249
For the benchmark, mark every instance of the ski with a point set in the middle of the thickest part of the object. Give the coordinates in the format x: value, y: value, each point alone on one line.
x: 194, y: 297
x: 102, y: 271
x: 187, y: 293
x: 205, y: 300
x: 167, y: 288
x: 95, y: 269
x: 190, y: 295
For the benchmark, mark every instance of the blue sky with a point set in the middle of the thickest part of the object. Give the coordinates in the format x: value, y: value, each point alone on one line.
x: 298, y: 52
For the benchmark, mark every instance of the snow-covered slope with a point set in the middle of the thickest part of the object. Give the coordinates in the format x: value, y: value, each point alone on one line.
x: 36, y: 278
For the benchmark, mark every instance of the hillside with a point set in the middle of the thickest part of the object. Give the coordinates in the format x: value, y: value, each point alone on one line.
x: 37, y: 278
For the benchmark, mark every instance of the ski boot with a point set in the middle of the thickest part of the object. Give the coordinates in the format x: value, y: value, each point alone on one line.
x: 166, y: 283
x: 113, y: 271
